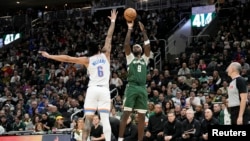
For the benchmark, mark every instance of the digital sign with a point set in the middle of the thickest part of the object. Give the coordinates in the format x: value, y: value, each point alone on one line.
x: 9, y: 38
x: 36, y: 138
x: 203, y: 19
x: 202, y: 15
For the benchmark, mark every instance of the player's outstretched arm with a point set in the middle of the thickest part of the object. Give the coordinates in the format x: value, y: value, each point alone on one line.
x: 66, y: 58
x: 127, y: 39
x: 146, y: 44
x: 107, y: 46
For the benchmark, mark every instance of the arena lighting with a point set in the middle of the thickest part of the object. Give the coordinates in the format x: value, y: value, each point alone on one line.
x: 86, y: 7
x: 18, y: 2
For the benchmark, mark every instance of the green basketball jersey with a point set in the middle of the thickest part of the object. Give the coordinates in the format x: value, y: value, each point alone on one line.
x: 137, y: 69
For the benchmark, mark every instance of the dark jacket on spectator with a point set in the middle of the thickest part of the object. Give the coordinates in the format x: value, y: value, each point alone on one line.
x: 205, y: 123
x: 130, y: 133
x: 6, y: 126
x: 173, y: 129
x: 156, y: 123
x: 194, y: 124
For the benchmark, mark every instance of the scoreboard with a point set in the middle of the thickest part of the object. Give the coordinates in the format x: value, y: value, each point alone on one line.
x: 202, y: 15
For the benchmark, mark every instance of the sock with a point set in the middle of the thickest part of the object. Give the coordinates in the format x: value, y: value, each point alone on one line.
x: 120, y: 139
x: 106, y: 126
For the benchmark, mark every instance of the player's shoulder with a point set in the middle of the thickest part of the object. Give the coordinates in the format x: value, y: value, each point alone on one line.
x: 240, y: 79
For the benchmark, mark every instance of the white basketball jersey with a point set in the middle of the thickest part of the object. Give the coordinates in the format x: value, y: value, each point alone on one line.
x: 99, y: 71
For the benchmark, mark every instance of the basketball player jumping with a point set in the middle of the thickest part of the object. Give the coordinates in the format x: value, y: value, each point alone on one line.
x: 136, y: 96
x: 98, y: 94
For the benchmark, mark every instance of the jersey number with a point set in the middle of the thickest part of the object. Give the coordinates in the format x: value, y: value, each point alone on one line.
x: 139, y: 68
x: 100, y: 71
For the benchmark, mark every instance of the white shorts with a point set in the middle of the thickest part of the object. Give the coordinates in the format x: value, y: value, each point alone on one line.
x: 97, y: 98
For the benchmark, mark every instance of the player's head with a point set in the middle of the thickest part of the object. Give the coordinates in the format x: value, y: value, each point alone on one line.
x: 137, y: 50
x: 93, y: 48
x: 234, y: 67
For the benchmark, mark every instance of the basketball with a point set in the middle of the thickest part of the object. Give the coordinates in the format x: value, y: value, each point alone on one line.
x: 130, y: 14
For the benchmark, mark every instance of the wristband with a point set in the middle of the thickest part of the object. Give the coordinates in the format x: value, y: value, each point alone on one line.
x: 147, y: 42
x: 112, y: 21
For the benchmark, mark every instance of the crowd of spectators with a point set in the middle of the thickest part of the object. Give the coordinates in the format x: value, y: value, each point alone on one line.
x: 40, y: 94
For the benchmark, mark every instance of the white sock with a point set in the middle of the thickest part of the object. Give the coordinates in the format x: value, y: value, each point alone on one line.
x: 106, y: 126
x: 120, y: 139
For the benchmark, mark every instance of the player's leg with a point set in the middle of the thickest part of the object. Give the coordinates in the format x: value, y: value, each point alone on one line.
x: 123, y: 123
x: 129, y: 102
x: 90, y: 107
x: 141, y: 108
x: 104, y: 106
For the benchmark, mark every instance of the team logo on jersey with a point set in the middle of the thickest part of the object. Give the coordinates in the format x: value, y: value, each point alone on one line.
x: 138, y: 62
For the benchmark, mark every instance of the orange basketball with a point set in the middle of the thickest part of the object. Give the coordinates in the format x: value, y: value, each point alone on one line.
x: 130, y: 14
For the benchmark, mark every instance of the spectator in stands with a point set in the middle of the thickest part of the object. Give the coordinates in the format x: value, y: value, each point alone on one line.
x: 182, y: 84
x: 177, y: 98
x: 172, y: 128
x: 2, y: 130
x: 74, y: 106
x: 203, y: 77
x: 175, y: 88
x: 199, y: 112
x: 114, y: 114
x: 15, y: 79
x: 151, y: 109
x: 47, y: 122
x: 168, y: 107
x: 156, y: 76
x: 78, y: 130
x: 208, y: 120
x: 118, y: 103
x: 184, y: 70
x: 155, y: 97
x: 39, y: 128
x: 115, y: 80
x: 130, y: 133
x: 155, y: 125
x: 202, y: 65
x: 5, y: 124
x: 28, y: 122
x: 189, y: 79
x: 216, y: 80
x: 96, y: 132
x: 193, y: 99
x: 216, y: 110
x: 18, y: 124
x: 224, y: 87
x: 59, y: 123
x: 224, y: 117
x: 191, y: 127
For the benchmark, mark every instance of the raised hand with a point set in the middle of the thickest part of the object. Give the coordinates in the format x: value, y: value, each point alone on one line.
x: 130, y: 24
x: 141, y: 26
x: 44, y: 54
x: 113, y: 14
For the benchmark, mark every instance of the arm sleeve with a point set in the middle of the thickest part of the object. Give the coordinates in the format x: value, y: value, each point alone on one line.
x: 198, y: 128
x: 145, y: 58
x: 177, y: 130
x: 241, y: 85
x: 165, y: 129
x: 130, y: 58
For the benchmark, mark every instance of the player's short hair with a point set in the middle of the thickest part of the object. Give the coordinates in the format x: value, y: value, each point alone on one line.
x: 236, y: 66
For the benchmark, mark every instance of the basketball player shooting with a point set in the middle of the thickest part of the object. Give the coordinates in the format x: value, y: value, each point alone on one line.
x: 98, y: 94
x: 136, y: 96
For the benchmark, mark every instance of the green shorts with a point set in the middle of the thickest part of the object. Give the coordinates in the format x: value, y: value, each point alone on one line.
x: 136, y: 97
